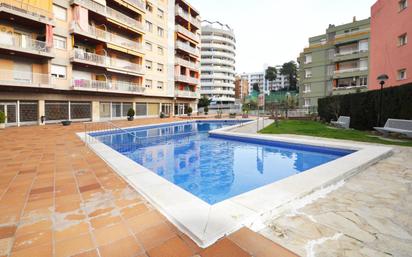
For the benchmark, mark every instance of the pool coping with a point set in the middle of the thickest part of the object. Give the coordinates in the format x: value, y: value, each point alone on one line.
x: 205, y: 223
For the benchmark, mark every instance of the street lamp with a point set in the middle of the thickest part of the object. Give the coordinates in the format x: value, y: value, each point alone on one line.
x: 382, y: 79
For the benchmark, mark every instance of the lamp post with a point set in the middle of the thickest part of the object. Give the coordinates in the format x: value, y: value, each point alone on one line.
x: 382, y: 79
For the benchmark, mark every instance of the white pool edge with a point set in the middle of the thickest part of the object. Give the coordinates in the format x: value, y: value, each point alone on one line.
x: 205, y: 224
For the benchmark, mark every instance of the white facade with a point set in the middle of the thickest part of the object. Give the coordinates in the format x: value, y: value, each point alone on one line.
x: 265, y: 85
x: 218, y: 62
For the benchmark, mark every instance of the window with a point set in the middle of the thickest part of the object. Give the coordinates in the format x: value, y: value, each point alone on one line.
x: 308, y: 73
x: 160, y: 67
x: 307, y: 88
x: 160, y: 32
x: 160, y: 50
x: 363, y: 81
x: 141, y: 109
x: 149, y: 7
x: 148, y: 83
x: 307, y: 102
x: 148, y: 46
x: 403, y: 4
x: 402, y: 74
x: 308, y: 58
x: 160, y: 13
x: 59, y: 42
x: 403, y: 39
x: 160, y: 84
x: 59, y: 12
x: 58, y: 71
x: 149, y: 64
x: 149, y: 26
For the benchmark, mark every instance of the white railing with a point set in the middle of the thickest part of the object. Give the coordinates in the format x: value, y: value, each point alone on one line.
x: 112, y: 86
x: 206, y: 61
x: 218, y: 92
x: 215, y: 45
x: 103, y: 60
x: 187, y: 16
x: 23, y: 42
x: 108, y: 36
x: 348, y: 52
x: 188, y: 64
x: 186, y: 79
x: 187, y: 48
x: 182, y: 93
x: 219, y: 53
x: 336, y: 72
x: 21, y: 78
x: 187, y: 33
x: 114, y: 14
x: 352, y: 33
x: 26, y: 8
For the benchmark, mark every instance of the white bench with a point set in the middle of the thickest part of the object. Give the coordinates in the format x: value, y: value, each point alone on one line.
x: 342, y: 122
x: 403, y: 127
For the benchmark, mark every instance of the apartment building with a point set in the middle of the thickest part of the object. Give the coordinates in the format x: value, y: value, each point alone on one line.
x: 218, y: 62
x: 187, y: 56
x: 391, y: 53
x: 241, y: 88
x: 335, y: 63
x: 266, y: 86
x: 85, y: 60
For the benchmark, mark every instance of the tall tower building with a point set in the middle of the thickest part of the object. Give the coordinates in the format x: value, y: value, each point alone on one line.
x: 218, y: 62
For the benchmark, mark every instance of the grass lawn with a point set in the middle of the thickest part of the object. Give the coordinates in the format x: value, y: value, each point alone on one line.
x: 317, y: 129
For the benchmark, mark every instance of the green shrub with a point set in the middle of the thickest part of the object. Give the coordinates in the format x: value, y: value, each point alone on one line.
x: 363, y: 108
x: 130, y: 112
x: 2, y: 117
x: 206, y: 109
x: 189, y: 110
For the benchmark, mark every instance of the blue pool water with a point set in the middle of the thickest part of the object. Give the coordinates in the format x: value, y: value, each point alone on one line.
x: 210, y: 167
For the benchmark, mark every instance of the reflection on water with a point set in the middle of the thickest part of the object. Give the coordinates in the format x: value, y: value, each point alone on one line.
x: 213, y: 169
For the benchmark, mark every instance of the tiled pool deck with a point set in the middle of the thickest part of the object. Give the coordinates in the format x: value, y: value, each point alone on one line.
x: 57, y: 198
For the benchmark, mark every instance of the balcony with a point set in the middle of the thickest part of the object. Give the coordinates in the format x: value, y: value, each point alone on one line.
x: 188, y: 64
x: 185, y: 15
x: 26, y: 10
x: 107, y: 37
x: 24, y: 79
x: 337, y: 72
x: 187, y: 79
x: 350, y: 55
x: 187, y: 33
x: 218, y: 92
x: 107, y: 62
x: 124, y: 19
x: 186, y: 94
x: 24, y: 44
x: 107, y: 86
x: 135, y: 3
x: 187, y: 48
x: 352, y: 33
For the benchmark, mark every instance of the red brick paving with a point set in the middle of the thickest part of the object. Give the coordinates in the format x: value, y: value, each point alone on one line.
x: 57, y: 198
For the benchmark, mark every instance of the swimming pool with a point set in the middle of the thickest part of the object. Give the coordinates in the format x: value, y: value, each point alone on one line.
x: 211, y: 167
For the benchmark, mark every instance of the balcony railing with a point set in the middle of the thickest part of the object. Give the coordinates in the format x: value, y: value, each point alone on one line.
x: 188, y: 64
x: 111, y: 86
x: 139, y: 3
x: 187, y: 16
x: 187, y: 33
x: 352, y: 33
x: 183, y: 93
x: 112, y: 13
x: 187, y: 79
x: 23, y: 42
x: 26, y: 8
x: 349, y: 52
x: 108, y: 36
x: 21, y: 78
x: 187, y: 48
x: 102, y: 60
x: 336, y: 72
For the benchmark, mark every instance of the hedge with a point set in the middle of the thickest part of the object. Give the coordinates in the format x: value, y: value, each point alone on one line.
x: 363, y: 108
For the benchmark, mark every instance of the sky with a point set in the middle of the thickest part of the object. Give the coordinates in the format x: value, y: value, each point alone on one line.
x: 276, y: 31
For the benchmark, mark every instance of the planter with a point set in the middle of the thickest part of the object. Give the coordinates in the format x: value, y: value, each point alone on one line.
x: 2, y: 126
x: 245, y: 116
x: 66, y: 123
x: 130, y: 118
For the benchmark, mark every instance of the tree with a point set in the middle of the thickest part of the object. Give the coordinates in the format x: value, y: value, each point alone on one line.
x: 290, y: 70
x: 289, y: 103
x: 256, y: 87
x: 204, y: 102
x: 271, y: 74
